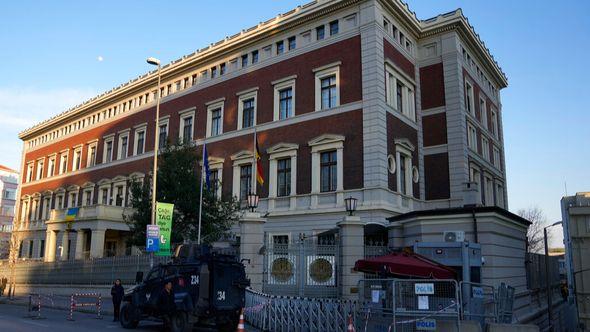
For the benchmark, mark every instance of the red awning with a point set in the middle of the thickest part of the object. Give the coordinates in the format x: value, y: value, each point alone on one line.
x: 405, y: 264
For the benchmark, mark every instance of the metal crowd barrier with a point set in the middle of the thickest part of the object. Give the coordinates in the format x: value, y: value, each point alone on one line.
x: 479, y: 302
x: 74, y: 304
x: 34, y: 306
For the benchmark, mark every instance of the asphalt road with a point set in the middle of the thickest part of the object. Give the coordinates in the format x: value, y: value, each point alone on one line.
x: 14, y: 318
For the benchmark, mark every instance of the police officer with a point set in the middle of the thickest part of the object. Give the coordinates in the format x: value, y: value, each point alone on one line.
x: 117, y: 292
x: 166, y: 303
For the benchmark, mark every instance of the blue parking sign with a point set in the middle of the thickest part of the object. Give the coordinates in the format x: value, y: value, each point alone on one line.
x: 152, y: 238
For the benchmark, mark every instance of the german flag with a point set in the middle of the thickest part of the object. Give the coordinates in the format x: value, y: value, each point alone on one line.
x: 259, y: 173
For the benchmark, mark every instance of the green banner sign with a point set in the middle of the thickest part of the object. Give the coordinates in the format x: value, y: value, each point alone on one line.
x: 164, y: 213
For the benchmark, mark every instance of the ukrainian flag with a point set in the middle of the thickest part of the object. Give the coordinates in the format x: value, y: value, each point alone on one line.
x: 71, y: 214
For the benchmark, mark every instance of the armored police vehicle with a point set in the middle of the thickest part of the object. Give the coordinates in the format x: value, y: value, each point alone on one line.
x: 208, y: 289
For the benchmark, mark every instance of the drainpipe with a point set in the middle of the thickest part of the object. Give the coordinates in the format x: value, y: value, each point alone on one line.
x: 475, y: 235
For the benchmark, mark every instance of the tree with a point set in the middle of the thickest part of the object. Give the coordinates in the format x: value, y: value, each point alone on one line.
x: 179, y: 183
x: 535, y: 239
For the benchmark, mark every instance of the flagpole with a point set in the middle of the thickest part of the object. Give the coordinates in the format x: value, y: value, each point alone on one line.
x: 255, y: 164
x: 201, y: 194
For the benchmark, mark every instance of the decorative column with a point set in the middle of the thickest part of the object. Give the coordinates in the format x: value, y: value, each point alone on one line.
x: 251, y: 240
x: 97, y: 243
x: 50, y: 243
x: 80, y: 244
x: 352, y: 236
x: 65, y: 246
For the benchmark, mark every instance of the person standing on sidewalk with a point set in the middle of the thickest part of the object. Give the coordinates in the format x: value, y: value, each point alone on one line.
x: 3, y: 283
x: 117, y: 292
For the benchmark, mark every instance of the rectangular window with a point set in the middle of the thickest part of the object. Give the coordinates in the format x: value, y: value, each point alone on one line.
x: 87, y: 198
x: 177, y: 86
x: 42, y: 249
x: 328, y: 171
x: 245, y: 181
x: 214, y: 179
x: 31, y: 249
x: 77, y: 159
x: 60, y: 202
x: 285, y: 103
x: 244, y: 60
x: 284, y: 177
x: 472, y: 137
x: 51, y: 167
x: 280, y: 47
x: 187, y: 129
x: 320, y: 32
x: 163, y: 132
x: 292, y: 43
x: 399, y: 96
x: 213, y: 72
x: 489, y: 191
x: 216, y: 122
x: 123, y: 145
x: 403, y: 175
x: 29, y: 177
x: 222, y: 69
x: 139, y: 142
x: 469, y: 99
x: 39, y: 170
x: 119, y: 196
x: 108, y: 151
x: 73, y: 200
x: 104, y: 196
x: 254, y: 56
x: 499, y: 195
x: 63, y: 163
x: 91, y: 158
x: 494, y: 124
x: 328, y: 92
x: 333, y: 28
x: 485, y: 148
x: 248, y: 113
x: 497, y: 161
x: 482, y: 112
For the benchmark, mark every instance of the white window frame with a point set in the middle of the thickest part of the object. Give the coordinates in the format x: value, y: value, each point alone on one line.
x: 216, y: 164
x: 40, y: 165
x: 240, y: 159
x: 473, y: 171
x: 52, y: 159
x: 119, y: 181
x: 277, y: 152
x: 63, y: 155
x: 485, y: 148
x: 496, y: 156
x: 281, y: 84
x: 89, y: 158
x: 488, y: 189
x: 123, y: 134
x: 46, y: 213
x: 30, y: 169
x: 212, y: 106
x: 77, y: 166
x: 107, y: 139
x: 164, y: 121
x: 471, y: 102
x: 404, y: 148
x: 321, y: 73
x: 408, y: 92
x: 472, y: 137
x: 243, y: 96
x: 104, y: 184
x: 74, y: 191
x: 189, y: 113
x: 89, y: 190
x: 494, y: 123
x: 139, y: 129
x: 321, y: 144
x: 483, y: 111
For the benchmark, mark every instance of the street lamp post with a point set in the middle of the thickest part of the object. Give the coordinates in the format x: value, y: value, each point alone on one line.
x: 547, y: 283
x: 155, y: 62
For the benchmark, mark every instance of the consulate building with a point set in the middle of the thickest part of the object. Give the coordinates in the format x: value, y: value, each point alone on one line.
x: 348, y: 98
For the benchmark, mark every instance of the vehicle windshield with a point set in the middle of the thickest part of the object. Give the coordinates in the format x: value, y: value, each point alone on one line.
x: 154, y: 273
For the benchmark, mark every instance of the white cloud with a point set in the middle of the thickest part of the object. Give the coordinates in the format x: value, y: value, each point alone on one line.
x: 100, y: 58
x: 21, y: 108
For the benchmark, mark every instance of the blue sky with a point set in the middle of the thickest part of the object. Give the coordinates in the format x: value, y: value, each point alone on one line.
x: 49, y: 62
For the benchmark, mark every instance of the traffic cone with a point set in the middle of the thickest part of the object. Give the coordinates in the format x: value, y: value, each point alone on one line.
x: 241, y: 322
x: 350, y: 324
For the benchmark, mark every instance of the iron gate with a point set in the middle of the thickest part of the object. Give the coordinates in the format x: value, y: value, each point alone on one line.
x: 304, y: 267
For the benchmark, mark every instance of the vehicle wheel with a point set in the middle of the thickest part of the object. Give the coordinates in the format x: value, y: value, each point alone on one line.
x: 179, y: 322
x: 229, y: 323
x: 127, y: 316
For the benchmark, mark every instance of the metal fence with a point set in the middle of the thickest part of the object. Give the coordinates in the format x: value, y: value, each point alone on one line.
x: 407, y: 304
x: 283, y: 313
x: 305, y: 267
x: 96, y: 271
x: 479, y: 302
x: 536, y: 273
